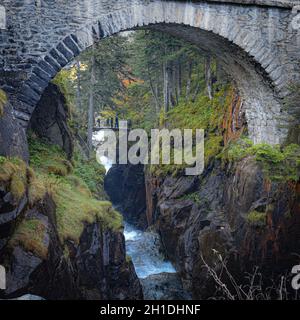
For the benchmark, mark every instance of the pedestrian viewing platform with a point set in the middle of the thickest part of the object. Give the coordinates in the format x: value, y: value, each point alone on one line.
x: 110, y: 125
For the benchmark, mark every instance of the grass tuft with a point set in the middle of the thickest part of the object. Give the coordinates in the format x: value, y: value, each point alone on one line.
x: 3, y: 101
x: 30, y: 234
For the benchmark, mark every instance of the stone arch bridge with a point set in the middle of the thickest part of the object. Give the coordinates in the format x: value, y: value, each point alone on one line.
x: 257, y: 42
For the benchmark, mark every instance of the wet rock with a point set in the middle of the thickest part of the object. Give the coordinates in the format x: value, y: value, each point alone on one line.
x: 164, y: 286
x: 13, y: 140
x: 30, y: 297
x: 125, y: 185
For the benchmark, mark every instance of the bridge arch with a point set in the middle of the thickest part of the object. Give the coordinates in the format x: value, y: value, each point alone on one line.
x: 242, y: 38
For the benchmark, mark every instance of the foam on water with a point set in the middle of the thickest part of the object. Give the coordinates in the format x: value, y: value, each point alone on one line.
x: 144, y: 250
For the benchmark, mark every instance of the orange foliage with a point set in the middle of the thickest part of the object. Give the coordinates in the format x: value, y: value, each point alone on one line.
x: 233, y: 124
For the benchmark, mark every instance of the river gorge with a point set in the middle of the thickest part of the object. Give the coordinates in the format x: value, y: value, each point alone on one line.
x: 77, y: 225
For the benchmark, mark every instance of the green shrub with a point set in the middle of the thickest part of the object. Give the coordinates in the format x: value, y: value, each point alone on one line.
x: 202, y: 113
x: 92, y: 173
x: 256, y: 219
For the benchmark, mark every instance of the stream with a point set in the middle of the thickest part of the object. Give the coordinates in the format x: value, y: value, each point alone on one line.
x: 157, y: 275
x: 144, y: 249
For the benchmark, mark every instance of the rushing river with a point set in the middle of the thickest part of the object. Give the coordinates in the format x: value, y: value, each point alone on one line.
x: 144, y: 249
x: 158, y: 276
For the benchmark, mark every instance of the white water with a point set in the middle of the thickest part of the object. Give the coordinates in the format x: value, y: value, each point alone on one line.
x: 98, y: 137
x: 144, y: 249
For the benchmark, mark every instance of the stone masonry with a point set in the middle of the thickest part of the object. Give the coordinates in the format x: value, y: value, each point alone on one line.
x: 257, y: 41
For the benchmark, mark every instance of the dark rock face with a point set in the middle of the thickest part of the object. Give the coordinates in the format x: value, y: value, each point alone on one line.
x: 95, y: 268
x: 13, y: 140
x: 49, y: 119
x: 195, y: 216
x: 125, y: 185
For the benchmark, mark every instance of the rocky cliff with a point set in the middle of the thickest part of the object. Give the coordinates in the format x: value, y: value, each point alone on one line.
x: 38, y: 263
x: 57, y: 240
x: 50, y: 119
x: 125, y: 185
x: 234, y: 211
x: 13, y: 140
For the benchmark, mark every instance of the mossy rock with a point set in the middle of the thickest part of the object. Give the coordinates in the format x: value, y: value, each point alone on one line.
x: 3, y: 101
x: 73, y: 188
x: 13, y: 174
x: 280, y: 164
x: 30, y: 234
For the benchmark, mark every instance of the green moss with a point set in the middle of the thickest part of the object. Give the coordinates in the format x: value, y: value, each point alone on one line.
x: 18, y: 185
x: 75, y: 207
x: 13, y: 172
x: 30, y: 234
x: 212, y: 147
x: 256, y: 219
x: 200, y: 114
x: 3, y: 101
x: 195, y: 197
x: 47, y: 158
x: 279, y: 164
x: 203, y: 113
x: 73, y: 189
x: 36, y: 189
x: 92, y: 173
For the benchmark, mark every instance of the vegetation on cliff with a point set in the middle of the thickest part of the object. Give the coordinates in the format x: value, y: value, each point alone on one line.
x: 30, y: 234
x: 278, y: 163
x: 3, y: 100
x: 73, y: 187
x: 13, y: 174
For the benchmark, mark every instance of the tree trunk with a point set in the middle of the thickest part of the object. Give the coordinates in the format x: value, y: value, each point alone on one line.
x: 154, y: 91
x: 189, y: 81
x: 91, y: 107
x: 197, y: 89
x: 174, y: 84
x: 171, y: 89
x: 208, y: 77
x: 78, y: 88
x: 179, y: 81
x: 166, y: 87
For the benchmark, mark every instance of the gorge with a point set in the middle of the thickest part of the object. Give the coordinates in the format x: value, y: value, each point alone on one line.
x: 72, y: 228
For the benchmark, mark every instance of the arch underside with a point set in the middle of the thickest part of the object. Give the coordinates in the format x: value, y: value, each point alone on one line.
x: 261, y: 105
x: 261, y: 101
